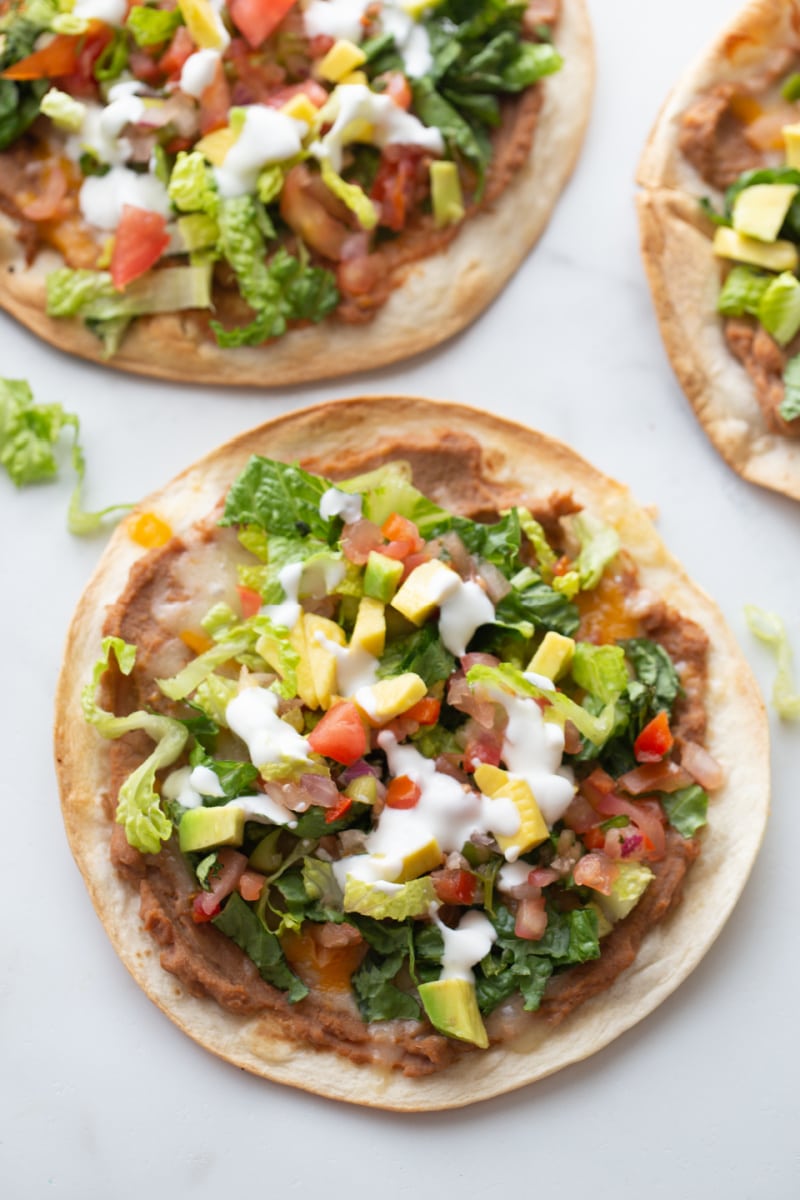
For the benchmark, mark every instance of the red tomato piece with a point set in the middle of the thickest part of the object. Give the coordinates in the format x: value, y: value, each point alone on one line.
x: 59, y: 57
x: 402, y: 793
x: 654, y: 741
x: 398, y: 87
x: 140, y: 240
x: 199, y: 913
x: 215, y: 102
x: 176, y: 53
x: 454, y: 886
x: 594, y: 839
x: 425, y: 711
x: 256, y: 19
x: 251, y: 884
x: 340, y: 735
x: 399, y: 529
x: 338, y: 810
x: 250, y: 601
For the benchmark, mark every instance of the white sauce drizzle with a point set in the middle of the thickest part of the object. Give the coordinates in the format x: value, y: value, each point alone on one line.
x: 532, y: 750
x: 336, y: 18
x: 287, y: 613
x: 466, y: 945
x: 111, y: 11
x: 267, y: 136
x: 340, y: 504
x: 253, y: 716
x: 356, y: 668
x: 198, y: 72
x: 102, y: 197
x: 411, y: 39
x: 390, y: 124
x: 463, y: 610
x: 262, y: 807
x: 511, y: 875
x: 343, y: 19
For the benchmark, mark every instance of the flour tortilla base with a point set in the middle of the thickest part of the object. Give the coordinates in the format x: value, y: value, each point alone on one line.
x: 737, y: 737
x: 684, y: 273
x: 438, y: 295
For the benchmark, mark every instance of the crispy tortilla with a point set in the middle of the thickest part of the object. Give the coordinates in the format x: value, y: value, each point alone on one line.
x: 434, y: 298
x: 345, y: 436
x: 683, y: 272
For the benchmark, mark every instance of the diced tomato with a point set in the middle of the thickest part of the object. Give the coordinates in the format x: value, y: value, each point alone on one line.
x: 309, y: 87
x: 402, y: 792
x: 340, y: 734
x: 595, y: 838
x: 250, y: 601
x: 140, y: 240
x: 256, y: 19
x: 251, y: 884
x: 647, y: 816
x: 215, y: 101
x: 397, y: 184
x: 199, y: 912
x: 225, y: 880
x: 454, y: 885
x: 596, y: 871
x: 531, y: 919
x: 482, y: 749
x: 176, y: 53
x: 397, y: 528
x: 654, y: 741
x: 143, y: 65
x: 398, y: 87
x: 338, y: 810
x: 399, y: 550
x: 319, y: 45
x: 59, y: 57
x: 425, y: 711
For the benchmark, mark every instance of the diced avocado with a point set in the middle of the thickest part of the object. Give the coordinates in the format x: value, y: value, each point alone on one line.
x: 791, y: 140
x: 305, y: 678
x: 342, y: 58
x: 369, y: 631
x: 452, y: 1008
x: 381, y: 577
x: 363, y: 790
x: 627, y: 890
x: 215, y: 146
x: 420, y: 861
x: 775, y: 256
x: 389, y: 697
x: 554, y: 656
x: 446, y: 196
x: 760, y: 210
x: 202, y: 828
x: 424, y: 590
x: 321, y: 662
x: 779, y: 307
x: 498, y: 784
x: 604, y: 926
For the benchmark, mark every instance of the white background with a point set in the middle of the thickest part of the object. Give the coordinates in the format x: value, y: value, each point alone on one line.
x: 101, y: 1095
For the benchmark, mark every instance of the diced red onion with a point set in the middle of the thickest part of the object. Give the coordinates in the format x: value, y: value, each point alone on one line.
x: 357, y: 771
x: 542, y: 876
x: 359, y: 538
x: 322, y: 791
x: 702, y: 766
x: 497, y: 586
x: 664, y: 776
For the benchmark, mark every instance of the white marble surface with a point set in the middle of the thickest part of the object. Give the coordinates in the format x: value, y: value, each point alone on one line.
x: 101, y: 1096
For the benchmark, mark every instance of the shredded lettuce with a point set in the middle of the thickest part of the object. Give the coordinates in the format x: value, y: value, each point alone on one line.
x: 29, y: 433
x: 412, y: 899
x: 789, y: 407
x: 769, y: 628
x: 596, y: 728
x: 279, y: 497
x: 199, y: 669
x: 779, y: 307
x: 350, y: 194
x: 138, y: 804
x: 599, y: 545
x: 742, y: 291
x: 151, y: 26
x: 243, y: 926
x: 192, y: 188
x: 600, y: 670
x: 545, y: 555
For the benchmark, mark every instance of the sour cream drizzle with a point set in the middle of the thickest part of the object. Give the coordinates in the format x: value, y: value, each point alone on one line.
x: 340, y: 504
x: 390, y: 124
x: 267, y: 136
x: 287, y: 613
x: 253, y: 716
x: 198, y: 72
x: 344, y: 19
x: 465, y: 945
x: 533, y: 749
x: 103, y: 197
x: 112, y: 12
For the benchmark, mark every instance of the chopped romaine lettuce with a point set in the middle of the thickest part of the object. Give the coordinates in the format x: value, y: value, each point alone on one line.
x: 769, y: 628
x: 412, y: 899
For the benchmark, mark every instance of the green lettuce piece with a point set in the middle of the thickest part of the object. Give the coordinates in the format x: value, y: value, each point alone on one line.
x: 742, y: 291
x: 789, y: 408
x: 388, y: 489
x: 422, y: 652
x: 198, y: 231
x: 533, y: 604
x: 138, y: 804
x: 769, y: 628
x: 412, y: 899
x: 235, y: 778
x: 192, y: 188
x: 92, y: 295
x: 281, y: 498
x: 655, y: 673
x: 597, y: 728
x: 112, y: 59
x: 195, y: 672
x: 213, y: 696
x: 779, y: 307
x: 150, y: 26
x: 791, y: 224
x: 270, y: 182
x: 321, y: 884
x: 790, y: 88
x: 28, y: 434
x: 19, y: 100
x: 350, y: 194
x: 218, y: 620
x: 243, y: 926
x: 686, y: 809
x: 64, y: 111
x: 534, y: 532
x: 599, y: 545
x: 379, y: 998
x: 600, y: 670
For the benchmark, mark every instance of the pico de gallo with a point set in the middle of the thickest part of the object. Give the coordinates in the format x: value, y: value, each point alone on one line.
x: 252, y: 160
x: 411, y: 763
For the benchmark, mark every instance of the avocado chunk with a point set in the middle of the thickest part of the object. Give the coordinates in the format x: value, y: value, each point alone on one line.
x: 627, y: 891
x: 554, y: 656
x: 202, y: 828
x: 775, y: 256
x: 447, y: 199
x: 381, y: 576
x: 452, y: 1008
x: 497, y: 783
x: 760, y: 210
